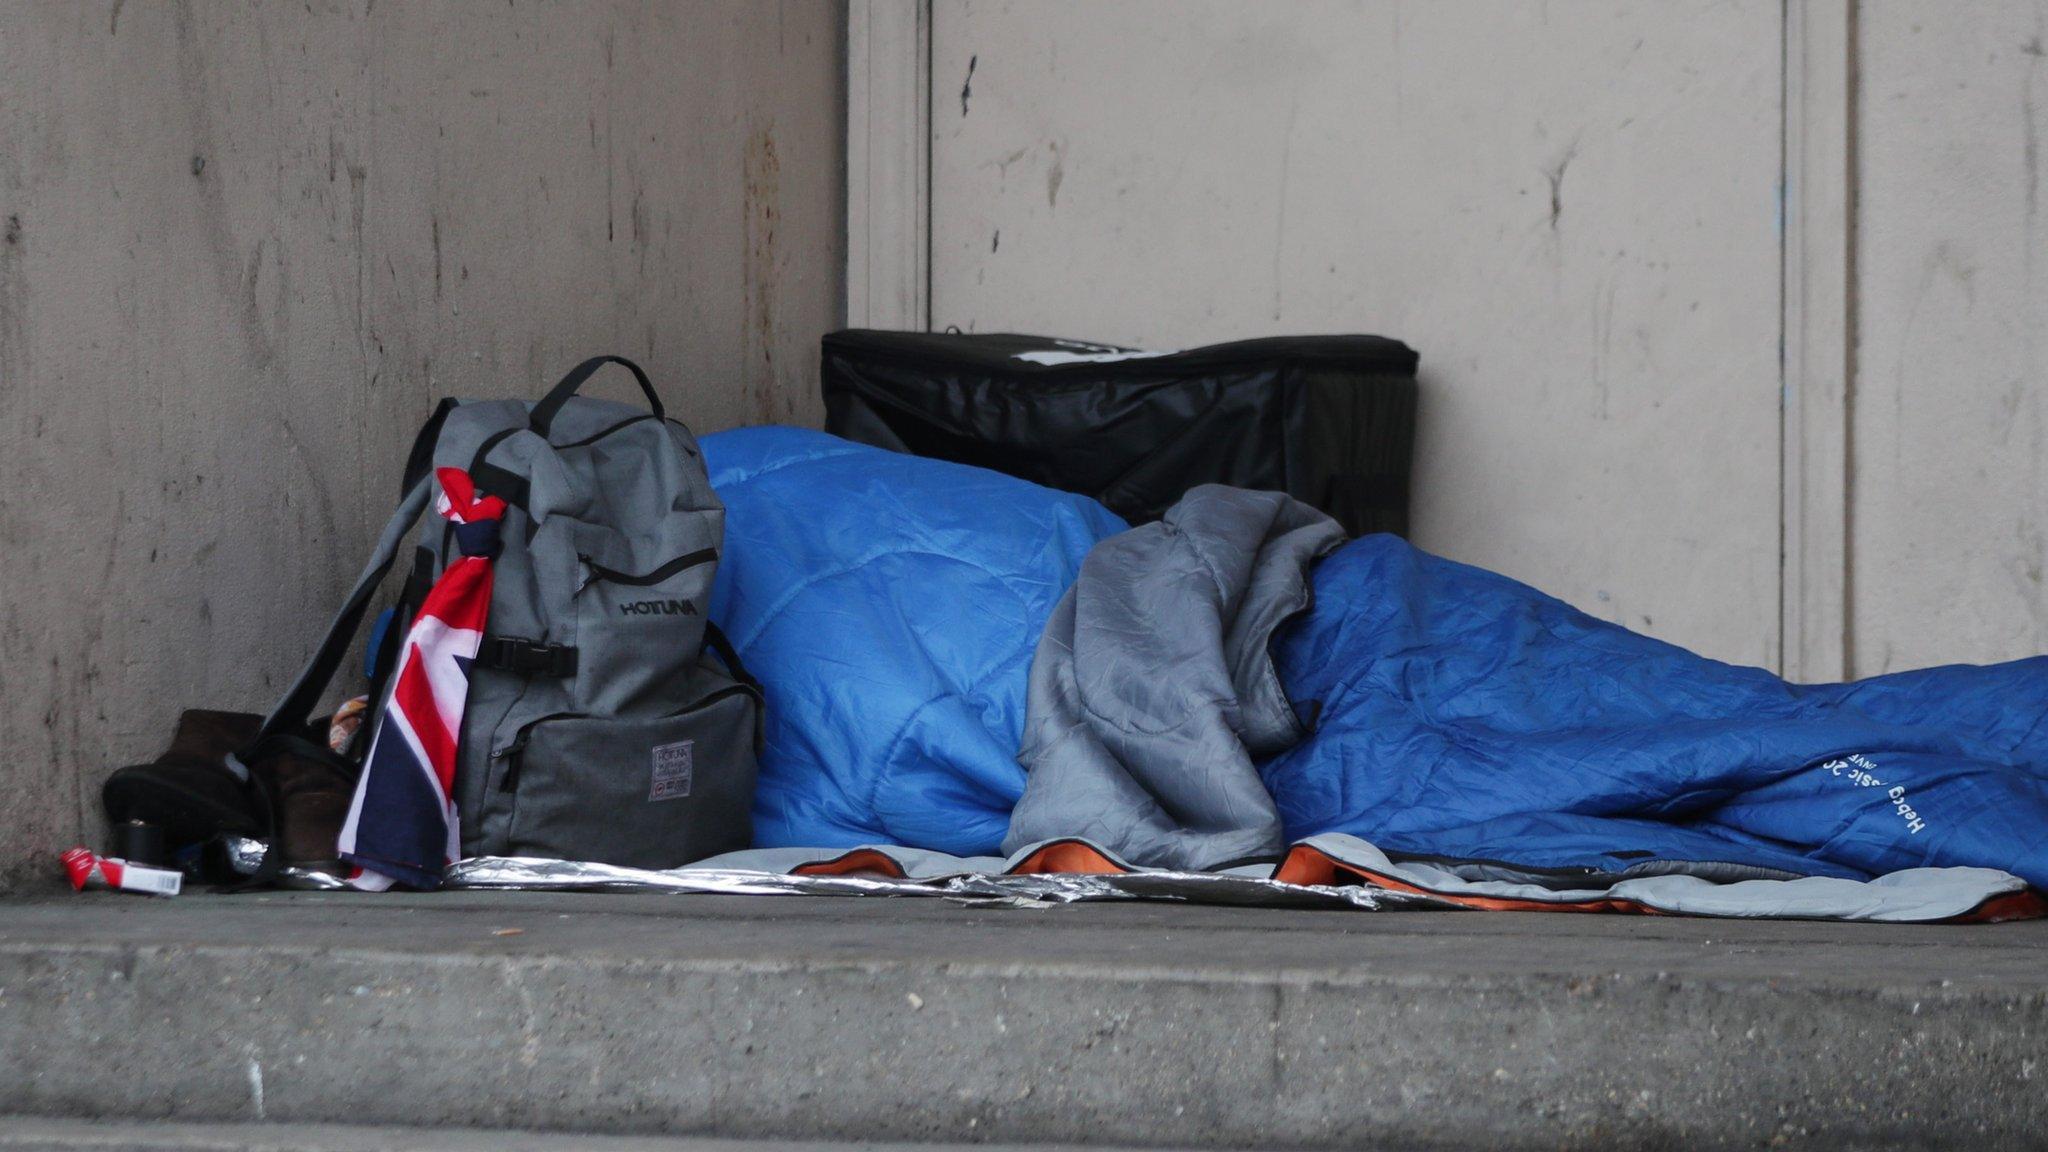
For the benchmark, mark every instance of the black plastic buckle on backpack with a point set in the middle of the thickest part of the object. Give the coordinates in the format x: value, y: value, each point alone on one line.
x: 526, y: 657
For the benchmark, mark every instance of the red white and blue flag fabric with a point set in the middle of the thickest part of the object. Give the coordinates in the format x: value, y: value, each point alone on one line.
x: 402, y: 826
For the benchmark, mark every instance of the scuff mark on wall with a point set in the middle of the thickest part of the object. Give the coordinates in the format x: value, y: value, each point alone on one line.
x: 763, y: 182
x: 1555, y: 175
x: 967, y: 85
x: 14, y: 361
x: 262, y: 348
x: 1286, y: 165
x: 636, y: 219
x: 1055, y: 175
x: 2031, y: 136
x: 86, y: 692
x: 358, y: 207
x: 610, y: 172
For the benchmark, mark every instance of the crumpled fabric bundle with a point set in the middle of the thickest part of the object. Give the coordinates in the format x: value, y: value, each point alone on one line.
x: 1152, y: 688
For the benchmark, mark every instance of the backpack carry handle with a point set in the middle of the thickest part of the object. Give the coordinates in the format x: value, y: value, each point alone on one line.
x: 544, y: 413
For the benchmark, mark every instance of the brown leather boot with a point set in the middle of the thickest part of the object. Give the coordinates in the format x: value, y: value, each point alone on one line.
x: 311, y: 788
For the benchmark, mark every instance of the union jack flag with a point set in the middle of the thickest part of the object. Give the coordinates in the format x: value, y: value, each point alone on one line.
x: 402, y: 826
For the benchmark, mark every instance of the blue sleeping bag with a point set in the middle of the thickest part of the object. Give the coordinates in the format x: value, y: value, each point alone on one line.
x: 889, y: 604
x: 1464, y: 715
x: 892, y: 604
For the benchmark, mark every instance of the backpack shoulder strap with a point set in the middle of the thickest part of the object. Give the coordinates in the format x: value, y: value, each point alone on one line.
x: 291, y: 713
x: 420, y: 460
x: 283, y: 730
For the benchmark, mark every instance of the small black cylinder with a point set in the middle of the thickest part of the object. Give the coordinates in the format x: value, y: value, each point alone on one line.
x: 140, y: 842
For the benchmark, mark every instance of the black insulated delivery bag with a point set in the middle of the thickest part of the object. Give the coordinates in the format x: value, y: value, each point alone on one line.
x: 1329, y: 420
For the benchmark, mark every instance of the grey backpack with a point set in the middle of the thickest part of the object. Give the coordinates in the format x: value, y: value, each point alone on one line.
x: 597, y: 727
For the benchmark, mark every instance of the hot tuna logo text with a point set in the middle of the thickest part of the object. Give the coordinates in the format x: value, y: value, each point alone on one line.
x: 658, y: 608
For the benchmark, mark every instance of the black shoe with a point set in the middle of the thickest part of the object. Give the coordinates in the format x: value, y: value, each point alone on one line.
x: 189, y: 791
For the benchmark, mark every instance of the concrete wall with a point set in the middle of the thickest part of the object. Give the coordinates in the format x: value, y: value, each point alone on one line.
x: 1949, y: 532
x: 1570, y: 209
x: 1577, y: 211
x: 244, y: 247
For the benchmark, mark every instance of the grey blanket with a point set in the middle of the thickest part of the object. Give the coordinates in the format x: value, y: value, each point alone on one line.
x: 1152, y: 691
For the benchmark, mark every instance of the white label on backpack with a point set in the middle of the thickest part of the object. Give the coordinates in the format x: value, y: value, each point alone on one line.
x: 674, y: 764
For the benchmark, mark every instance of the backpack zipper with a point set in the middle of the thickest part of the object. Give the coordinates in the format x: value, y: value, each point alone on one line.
x: 515, y: 751
x: 681, y: 563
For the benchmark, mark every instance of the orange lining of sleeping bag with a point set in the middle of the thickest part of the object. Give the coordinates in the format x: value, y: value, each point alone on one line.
x: 1060, y: 856
x: 1068, y: 856
x: 1308, y: 865
x: 858, y: 860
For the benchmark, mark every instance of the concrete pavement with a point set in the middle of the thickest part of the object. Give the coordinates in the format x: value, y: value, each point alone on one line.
x: 38, y: 1134
x: 842, y: 1019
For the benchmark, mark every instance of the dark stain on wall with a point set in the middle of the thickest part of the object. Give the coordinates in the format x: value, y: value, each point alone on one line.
x: 763, y: 206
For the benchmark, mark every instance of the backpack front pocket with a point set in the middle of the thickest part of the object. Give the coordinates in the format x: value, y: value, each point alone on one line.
x: 639, y: 621
x: 642, y: 793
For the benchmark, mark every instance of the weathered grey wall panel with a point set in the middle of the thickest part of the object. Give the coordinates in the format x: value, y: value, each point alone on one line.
x: 1949, y: 509
x: 243, y: 247
x: 1570, y: 208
